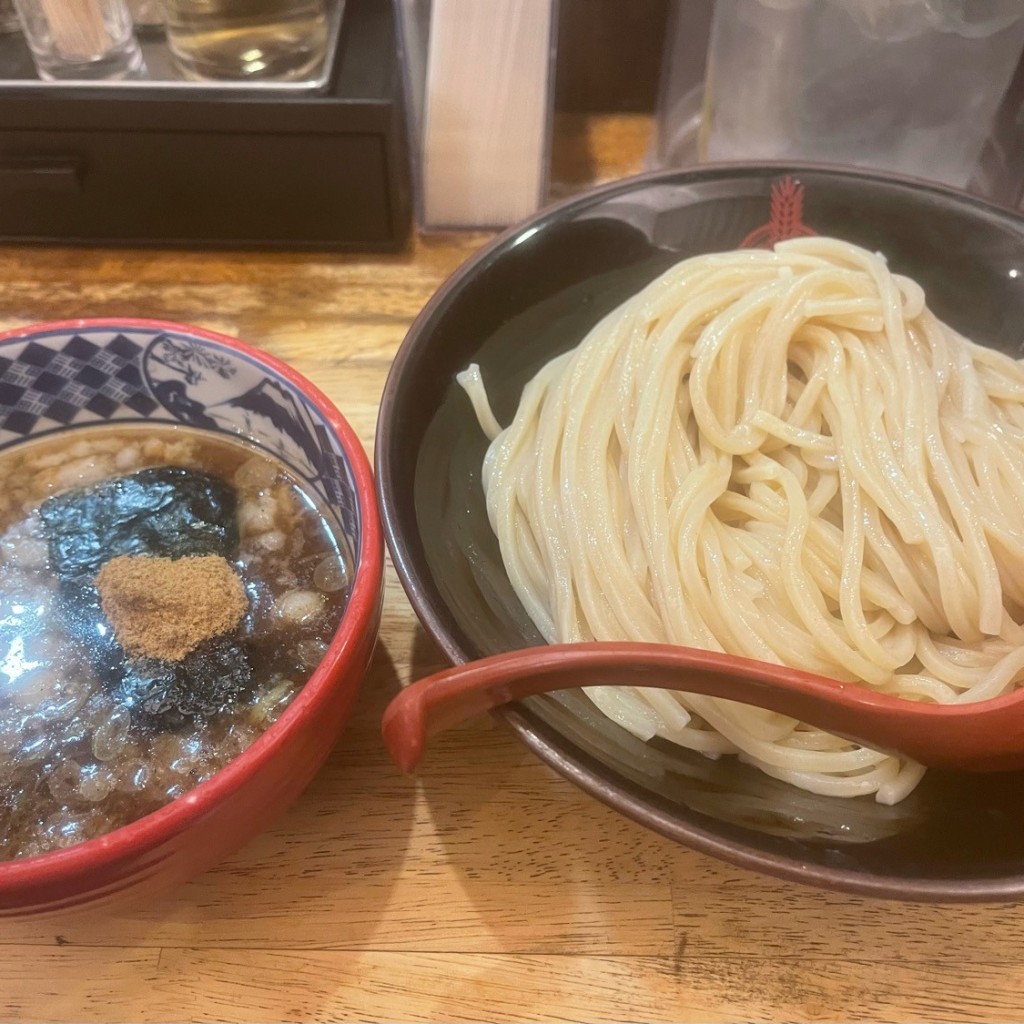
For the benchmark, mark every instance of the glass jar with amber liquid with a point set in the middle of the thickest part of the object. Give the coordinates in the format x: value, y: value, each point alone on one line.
x: 247, y: 39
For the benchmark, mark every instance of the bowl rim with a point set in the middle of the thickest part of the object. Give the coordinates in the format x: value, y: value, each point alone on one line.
x: 565, y: 757
x: 151, y: 831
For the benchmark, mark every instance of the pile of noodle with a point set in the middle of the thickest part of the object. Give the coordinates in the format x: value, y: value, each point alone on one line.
x: 782, y: 455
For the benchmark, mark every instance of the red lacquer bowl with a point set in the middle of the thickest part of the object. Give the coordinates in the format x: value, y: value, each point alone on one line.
x: 164, y: 373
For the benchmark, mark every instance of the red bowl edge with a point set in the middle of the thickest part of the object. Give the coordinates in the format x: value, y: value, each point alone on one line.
x: 55, y: 870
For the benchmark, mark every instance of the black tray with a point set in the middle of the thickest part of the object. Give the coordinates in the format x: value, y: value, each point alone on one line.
x: 208, y: 166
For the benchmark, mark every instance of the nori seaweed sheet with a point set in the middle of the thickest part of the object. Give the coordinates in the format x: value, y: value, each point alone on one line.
x: 169, y: 512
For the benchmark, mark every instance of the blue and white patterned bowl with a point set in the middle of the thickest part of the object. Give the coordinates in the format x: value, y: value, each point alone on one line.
x: 65, y: 377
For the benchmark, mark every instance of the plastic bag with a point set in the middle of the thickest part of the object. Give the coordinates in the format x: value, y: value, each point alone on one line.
x: 904, y: 85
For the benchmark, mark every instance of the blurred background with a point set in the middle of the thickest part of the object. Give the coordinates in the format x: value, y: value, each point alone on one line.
x: 347, y: 123
x: 927, y: 88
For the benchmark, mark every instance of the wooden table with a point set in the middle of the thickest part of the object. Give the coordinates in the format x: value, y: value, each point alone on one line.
x: 489, y: 888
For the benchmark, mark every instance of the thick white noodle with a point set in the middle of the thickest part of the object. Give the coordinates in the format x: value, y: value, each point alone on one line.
x: 782, y: 455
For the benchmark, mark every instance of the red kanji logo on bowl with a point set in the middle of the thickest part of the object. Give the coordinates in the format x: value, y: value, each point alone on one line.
x: 786, y: 219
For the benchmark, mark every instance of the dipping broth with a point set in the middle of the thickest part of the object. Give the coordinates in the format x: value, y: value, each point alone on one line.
x: 92, y: 735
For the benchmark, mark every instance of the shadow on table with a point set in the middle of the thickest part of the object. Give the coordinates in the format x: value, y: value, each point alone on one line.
x: 530, y: 863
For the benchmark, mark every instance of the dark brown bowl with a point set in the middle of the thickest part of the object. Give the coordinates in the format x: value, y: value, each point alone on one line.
x: 534, y: 292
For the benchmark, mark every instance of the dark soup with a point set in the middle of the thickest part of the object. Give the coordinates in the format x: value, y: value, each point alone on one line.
x: 164, y: 594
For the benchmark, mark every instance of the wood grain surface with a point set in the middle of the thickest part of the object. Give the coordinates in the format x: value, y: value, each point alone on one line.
x: 488, y: 889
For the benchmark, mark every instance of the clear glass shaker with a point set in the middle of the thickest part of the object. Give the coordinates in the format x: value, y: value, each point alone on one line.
x: 80, y: 39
